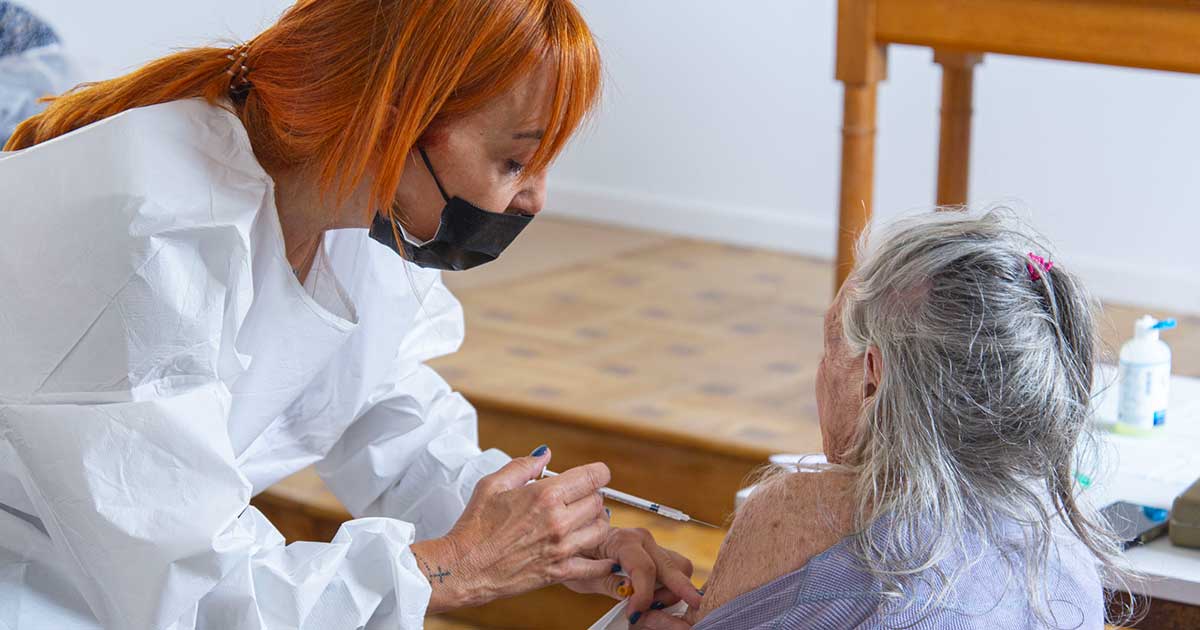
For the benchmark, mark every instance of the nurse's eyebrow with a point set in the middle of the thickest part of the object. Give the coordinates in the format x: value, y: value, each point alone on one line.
x: 529, y: 135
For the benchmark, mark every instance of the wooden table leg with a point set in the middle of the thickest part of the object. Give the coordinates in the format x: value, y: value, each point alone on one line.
x: 858, y: 172
x: 861, y: 65
x: 954, y: 145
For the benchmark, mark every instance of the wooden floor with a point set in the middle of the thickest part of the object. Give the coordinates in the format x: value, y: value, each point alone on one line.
x: 713, y: 344
x: 445, y: 623
x: 682, y: 364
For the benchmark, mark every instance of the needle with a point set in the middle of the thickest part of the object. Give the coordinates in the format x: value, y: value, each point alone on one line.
x: 643, y: 504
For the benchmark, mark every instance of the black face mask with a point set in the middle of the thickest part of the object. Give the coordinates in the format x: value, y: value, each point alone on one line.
x: 467, y: 237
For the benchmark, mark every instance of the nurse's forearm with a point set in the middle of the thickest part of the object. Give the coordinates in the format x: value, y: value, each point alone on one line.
x: 454, y: 584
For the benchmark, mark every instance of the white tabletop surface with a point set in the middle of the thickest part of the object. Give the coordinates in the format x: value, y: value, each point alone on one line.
x: 1153, y: 471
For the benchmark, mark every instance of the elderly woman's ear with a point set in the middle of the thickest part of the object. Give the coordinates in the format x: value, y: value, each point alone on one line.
x: 872, y: 372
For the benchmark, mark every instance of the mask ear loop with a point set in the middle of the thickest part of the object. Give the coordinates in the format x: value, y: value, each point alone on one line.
x: 411, y: 280
x: 397, y: 223
x: 429, y: 167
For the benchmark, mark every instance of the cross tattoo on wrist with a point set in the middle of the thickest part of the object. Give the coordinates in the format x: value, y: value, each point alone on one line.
x: 441, y: 574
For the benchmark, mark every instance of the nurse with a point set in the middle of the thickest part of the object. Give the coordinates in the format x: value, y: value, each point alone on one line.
x: 223, y: 267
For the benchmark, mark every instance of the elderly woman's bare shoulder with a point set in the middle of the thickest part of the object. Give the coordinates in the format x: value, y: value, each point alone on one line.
x: 788, y: 520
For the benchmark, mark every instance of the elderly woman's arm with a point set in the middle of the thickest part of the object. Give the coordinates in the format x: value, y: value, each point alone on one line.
x: 788, y: 520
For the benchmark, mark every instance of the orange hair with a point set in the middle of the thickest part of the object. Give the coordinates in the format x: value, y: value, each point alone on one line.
x: 350, y: 86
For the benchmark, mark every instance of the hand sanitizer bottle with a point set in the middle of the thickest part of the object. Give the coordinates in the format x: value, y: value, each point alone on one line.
x: 1145, y: 376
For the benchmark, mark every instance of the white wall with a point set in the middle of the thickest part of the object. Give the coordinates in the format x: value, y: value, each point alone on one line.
x: 721, y: 120
x: 113, y: 37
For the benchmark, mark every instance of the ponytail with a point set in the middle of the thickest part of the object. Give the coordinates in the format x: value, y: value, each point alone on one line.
x: 1073, y: 311
x: 348, y: 87
x: 199, y: 72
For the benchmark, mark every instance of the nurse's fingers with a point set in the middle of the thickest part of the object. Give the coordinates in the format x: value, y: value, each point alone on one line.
x: 587, y: 539
x: 517, y: 473
x: 612, y: 583
x: 582, y: 512
x: 576, y: 483
x: 667, y: 568
x: 659, y: 620
x: 577, y: 569
x: 671, y: 574
x: 637, y: 563
x: 663, y: 598
x: 680, y: 561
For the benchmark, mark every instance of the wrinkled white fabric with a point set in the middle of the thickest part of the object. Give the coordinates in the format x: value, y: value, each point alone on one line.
x: 617, y: 618
x: 160, y: 364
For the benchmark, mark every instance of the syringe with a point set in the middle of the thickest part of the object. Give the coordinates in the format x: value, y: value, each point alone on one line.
x: 638, y: 502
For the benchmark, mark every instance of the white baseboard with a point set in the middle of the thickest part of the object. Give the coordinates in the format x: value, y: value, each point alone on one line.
x: 772, y: 229
x: 1175, y: 289
x: 1125, y: 281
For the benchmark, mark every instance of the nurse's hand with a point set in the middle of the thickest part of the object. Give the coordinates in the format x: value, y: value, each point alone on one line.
x: 659, y: 620
x: 657, y: 577
x: 514, y: 536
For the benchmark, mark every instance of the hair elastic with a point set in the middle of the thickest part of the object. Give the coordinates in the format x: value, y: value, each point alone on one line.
x: 238, y: 72
x: 1042, y: 263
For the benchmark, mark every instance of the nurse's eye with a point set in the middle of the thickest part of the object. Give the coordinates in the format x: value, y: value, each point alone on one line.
x: 513, y: 167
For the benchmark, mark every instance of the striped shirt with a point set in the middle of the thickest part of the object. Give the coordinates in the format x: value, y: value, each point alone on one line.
x: 833, y: 591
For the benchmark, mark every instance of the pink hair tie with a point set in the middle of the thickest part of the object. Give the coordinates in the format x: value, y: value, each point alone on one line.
x: 1044, y: 264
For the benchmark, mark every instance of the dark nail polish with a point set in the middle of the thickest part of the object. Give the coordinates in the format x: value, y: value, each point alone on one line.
x: 616, y: 568
x: 608, y: 512
x: 539, y: 451
x: 657, y: 606
x: 701, y: 591
x: 634, y: 617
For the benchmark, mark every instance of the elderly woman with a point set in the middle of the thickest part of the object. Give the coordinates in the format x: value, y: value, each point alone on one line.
x: 953, y: 395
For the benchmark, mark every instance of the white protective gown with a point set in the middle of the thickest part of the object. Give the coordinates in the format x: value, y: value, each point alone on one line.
x: 160, y: 364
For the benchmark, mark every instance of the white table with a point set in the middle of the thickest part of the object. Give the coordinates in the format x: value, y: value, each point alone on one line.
x: 1153, y: 471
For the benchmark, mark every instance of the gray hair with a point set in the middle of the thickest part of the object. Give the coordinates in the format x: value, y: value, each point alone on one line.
x: 983, y: 409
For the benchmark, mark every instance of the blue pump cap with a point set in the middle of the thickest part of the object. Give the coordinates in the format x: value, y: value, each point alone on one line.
x: 1164, y: 324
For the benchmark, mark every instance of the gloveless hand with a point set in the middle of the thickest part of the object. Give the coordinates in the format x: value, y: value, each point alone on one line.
x: 515, y: 536
x: 657, y: 577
